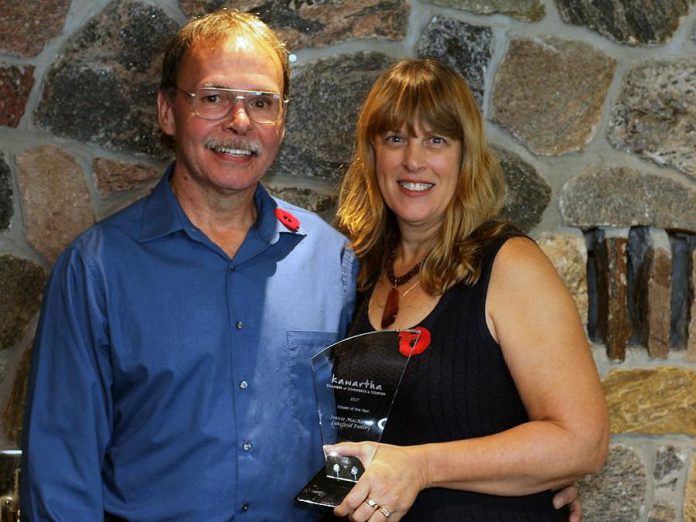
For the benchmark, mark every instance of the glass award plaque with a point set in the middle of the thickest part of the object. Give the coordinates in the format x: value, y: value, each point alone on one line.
x: 356, y: 381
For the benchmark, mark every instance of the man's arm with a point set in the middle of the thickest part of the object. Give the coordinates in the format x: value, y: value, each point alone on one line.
x: 67, y: 420
x: 568, y: 495
x: 349, y: 274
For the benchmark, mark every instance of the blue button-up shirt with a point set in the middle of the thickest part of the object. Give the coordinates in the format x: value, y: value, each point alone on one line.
x: 172, y: 382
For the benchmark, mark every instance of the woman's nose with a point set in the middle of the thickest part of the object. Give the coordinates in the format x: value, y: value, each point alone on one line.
x: 414, y: 157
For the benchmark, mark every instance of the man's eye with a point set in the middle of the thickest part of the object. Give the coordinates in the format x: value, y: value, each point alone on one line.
x: 211, y: 99
x: 261, y: 102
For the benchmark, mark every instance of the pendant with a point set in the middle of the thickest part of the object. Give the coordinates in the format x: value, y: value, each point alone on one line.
x: 391, y: 308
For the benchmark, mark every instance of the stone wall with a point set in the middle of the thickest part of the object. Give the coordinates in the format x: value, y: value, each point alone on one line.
x: 590, y: 105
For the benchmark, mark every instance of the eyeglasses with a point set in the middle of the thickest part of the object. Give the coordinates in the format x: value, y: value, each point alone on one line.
x: 216, y: 103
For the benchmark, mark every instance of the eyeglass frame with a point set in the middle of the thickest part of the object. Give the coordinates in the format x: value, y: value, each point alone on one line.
x: 284, y: 101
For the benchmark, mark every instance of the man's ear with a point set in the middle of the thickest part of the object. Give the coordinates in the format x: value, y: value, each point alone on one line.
x: 165, y: 113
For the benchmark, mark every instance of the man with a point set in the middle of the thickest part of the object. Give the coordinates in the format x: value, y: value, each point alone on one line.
x: 171, y: 373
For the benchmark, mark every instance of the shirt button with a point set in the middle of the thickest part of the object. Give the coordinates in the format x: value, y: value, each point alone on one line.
x: 245, y: 507
x: 239, y: 325
x: 243, y: 385
x: 246, y: 446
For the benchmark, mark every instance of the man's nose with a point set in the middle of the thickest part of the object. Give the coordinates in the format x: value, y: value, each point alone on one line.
x: 239, y: 119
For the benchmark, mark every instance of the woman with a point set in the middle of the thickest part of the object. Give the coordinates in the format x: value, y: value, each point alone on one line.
x: 504, y: 405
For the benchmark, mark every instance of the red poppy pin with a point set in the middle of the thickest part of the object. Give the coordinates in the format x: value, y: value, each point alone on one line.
x: 406, y: 338
x: 287, y: 219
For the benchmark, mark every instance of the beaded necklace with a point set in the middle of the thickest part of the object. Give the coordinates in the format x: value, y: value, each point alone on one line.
x: 391, y: 308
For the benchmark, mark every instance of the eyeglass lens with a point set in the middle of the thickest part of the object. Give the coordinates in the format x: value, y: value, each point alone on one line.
x: 214, y: 104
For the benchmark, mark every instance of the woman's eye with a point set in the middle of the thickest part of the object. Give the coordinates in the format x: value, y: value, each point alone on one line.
x: 393, y: 138
x: 437, y: 140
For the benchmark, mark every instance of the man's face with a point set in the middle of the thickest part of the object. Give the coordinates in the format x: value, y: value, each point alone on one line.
x: 229, y: 155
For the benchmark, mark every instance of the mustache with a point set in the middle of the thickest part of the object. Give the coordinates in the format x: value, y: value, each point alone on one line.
x: 215, y: 143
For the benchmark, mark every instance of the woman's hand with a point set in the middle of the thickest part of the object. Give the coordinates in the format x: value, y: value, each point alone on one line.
x: 393, y: 478
x: 394, y: 475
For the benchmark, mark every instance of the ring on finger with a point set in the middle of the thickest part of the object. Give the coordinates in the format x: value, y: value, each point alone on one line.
x: 371, y: 503
x: 385, y: 511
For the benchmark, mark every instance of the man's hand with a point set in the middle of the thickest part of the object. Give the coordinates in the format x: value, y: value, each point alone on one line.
x: 569, y: 495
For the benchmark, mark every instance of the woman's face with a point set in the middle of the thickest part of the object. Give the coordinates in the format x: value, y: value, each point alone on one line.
x: 417, y: 174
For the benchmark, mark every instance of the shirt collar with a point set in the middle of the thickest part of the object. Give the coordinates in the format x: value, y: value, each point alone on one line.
x: 267, y: 231
x: 268, y: 225
x: 162, y: 214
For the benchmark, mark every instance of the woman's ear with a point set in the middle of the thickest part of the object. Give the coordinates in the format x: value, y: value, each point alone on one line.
x: 165, y: 112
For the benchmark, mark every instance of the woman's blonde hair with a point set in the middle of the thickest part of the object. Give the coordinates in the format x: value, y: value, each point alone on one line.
x: 427, y: 92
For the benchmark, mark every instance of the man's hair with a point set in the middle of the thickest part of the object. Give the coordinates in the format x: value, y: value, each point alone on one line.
x: 220, y: 25
x: 425, y: 92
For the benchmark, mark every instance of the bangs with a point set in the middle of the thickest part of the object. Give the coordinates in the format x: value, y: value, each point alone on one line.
x: 416, y: 101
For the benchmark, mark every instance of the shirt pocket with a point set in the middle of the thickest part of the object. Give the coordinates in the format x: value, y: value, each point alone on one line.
x: 302, y: 398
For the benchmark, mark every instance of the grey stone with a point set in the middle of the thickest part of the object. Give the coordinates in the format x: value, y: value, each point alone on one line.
x: 325, y: 100
x: 311, y: 23
x: 21, y: 287
x: 6, y: 208
x: 631, y: 22
x: 530, y: 10
x: 682, y: 246
x: 465, y: 47
x: 103, y: 87
x: 669, y: 461
x: 549, y: 93
x: 617, y: 196
x: 306, y: 198
x: 5, y: 357
x: 527, y: 194
x: 320, y: 201
x: 655, y: 115
x: 616, y: 493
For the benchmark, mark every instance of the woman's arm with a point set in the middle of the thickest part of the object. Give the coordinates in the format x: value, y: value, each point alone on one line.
x: 534, y: 319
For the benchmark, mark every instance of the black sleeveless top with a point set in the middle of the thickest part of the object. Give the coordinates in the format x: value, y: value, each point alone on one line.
x: 460, y: 388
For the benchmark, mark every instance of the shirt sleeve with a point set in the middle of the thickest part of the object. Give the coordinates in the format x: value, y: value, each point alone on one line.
x: 68, y: 416
x: 350, y: 266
